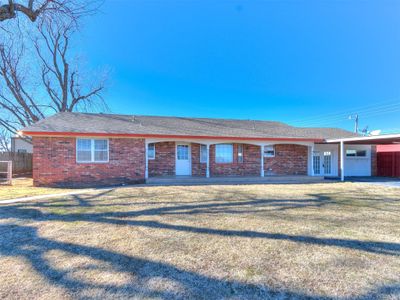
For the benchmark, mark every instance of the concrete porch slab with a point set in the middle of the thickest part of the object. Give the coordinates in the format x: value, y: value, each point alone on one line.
x: 189, y: 180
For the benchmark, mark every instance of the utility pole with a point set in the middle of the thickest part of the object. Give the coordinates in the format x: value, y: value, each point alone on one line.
x: 355, y: 118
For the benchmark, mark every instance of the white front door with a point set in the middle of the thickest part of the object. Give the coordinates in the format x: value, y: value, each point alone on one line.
x: 323, y: 163
x: 327, y: 163
x: 183, y: 162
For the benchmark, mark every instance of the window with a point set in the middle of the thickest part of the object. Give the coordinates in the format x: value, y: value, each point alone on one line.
x: 151, y: 151
x: 22, y: 151
x: 317, y: 162
x: 182, y: 152
x: 92, y: 150
x: 356, y: 153
x: 224, y: 153
x: 240, y: 153
x: 269, y: 151
x: 203, y: 153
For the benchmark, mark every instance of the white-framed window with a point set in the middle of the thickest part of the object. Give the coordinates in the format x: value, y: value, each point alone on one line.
x: 356, y: 153
x: 182, y: 152
x: 151, y: 151
x: 92, y: 150
x: 269, y: 151
x: 203, y: 153
x: 224, y: 153
x: 240, y: 153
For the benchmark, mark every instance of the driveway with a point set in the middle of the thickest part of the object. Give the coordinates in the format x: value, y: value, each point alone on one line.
x: 383, y: 181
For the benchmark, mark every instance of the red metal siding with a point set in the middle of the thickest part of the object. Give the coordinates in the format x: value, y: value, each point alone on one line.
x: 388, y: 164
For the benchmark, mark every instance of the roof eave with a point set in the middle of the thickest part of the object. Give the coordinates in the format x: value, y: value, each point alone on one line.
x: 132, y: 135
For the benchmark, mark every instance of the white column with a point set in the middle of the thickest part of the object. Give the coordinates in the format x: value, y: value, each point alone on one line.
x: 341, y: 161
x: 146, y: 172
x: 262, y: 160
x: 312, y: 160
x: 208, y: 161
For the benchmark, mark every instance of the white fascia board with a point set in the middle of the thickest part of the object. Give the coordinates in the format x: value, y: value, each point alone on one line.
x: 365, y: 138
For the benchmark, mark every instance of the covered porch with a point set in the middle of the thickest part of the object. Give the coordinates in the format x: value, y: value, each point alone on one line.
x: 186, y: 159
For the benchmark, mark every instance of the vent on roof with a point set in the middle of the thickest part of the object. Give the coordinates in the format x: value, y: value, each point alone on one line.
x: 136, y: 121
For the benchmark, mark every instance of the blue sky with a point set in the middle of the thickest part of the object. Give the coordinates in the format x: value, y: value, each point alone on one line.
x: 301, y: 62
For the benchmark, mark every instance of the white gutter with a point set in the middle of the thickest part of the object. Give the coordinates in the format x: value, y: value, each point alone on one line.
x: 365, y: 138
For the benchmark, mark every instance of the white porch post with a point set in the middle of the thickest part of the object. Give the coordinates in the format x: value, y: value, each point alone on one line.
x: 208, y: 161
x: 341, y: 161
x: 312, y: 160
x: 262, y: 160
x: 146, y: 172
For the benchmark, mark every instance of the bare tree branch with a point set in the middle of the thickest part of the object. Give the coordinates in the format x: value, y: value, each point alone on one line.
x: 49, y: 9
x: 38, y: 76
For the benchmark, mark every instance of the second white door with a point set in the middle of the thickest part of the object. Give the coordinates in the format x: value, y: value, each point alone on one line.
x: 183, y: 162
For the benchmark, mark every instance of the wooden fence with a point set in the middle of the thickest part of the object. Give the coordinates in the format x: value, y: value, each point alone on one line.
x: 21, y: 162
x: 6, y: 177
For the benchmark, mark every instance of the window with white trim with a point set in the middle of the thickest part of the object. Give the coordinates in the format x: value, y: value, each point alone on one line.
x: 356, y: 153
x: 269, y: 151
x: 151, y: 151
x: 203, y: 153
x: 92, y: 150
x: 224, y: 153
x: 240, y: 153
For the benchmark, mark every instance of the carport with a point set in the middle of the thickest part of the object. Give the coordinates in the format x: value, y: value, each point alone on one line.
x: 384, y: 139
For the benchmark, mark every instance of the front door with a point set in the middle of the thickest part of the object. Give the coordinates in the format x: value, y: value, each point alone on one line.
x: 327, y: 165
x: 322, y: 161
x: 183, y: 159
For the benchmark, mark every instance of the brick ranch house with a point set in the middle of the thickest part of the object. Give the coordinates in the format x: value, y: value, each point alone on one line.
x: 104, y: 149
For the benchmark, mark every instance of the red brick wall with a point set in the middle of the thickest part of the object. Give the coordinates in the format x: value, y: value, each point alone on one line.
x: 164, y: 162
x: 250, y: 166
x: 198, y: 169
x: 288, y: 160
x: 374, y: 161
x: 54, y: 163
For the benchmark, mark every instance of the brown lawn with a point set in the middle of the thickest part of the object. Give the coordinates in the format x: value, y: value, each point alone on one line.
x: 23, y: 187
x: 337, y: 240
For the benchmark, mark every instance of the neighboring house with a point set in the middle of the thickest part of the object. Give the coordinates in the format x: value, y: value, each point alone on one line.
x: 92, y: 149
x: 20, y: 145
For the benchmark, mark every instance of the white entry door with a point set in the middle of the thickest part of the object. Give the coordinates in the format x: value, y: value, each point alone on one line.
x: 183, y: 164
x: 322, y: 161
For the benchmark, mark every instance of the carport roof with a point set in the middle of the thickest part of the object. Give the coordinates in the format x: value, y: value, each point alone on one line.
x: 384, y: 139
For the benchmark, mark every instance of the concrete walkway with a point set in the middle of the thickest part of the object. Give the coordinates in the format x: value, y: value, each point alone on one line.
x: 25, y: 199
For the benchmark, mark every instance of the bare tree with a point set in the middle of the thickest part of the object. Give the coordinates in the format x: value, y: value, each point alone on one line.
x: 45, y: 80
x: 5, y: 141
x: 32, y: 9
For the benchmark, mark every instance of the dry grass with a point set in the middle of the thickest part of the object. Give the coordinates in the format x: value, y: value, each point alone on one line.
x: 23, y: 187
x: 329, y: 241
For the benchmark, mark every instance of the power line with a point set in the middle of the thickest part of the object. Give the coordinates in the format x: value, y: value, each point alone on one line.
x: 362, y: 113
x: 387, y: 108
x: 383, y: 106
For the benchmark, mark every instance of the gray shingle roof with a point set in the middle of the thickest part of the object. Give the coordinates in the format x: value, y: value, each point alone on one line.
x: 155, y: 125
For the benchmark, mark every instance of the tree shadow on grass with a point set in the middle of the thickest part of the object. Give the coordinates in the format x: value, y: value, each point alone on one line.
x: 24, y: 242
x: 127, y: 218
